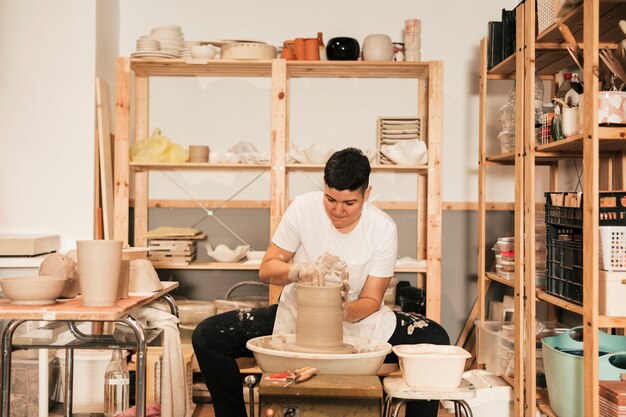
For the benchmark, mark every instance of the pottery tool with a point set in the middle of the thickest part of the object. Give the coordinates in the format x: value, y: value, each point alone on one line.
x: 613, y: 64
x: 301, y: 375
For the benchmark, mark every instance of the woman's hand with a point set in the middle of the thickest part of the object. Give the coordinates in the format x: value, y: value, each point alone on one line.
x: 306, y: 273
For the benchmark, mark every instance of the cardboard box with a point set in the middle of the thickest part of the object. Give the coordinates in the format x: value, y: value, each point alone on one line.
x: 28, y: 245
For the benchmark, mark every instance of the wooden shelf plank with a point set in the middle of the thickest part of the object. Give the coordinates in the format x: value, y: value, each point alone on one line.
x: 263, y: 68
x: 502, y: 158
x: 509, y: 380
x: 559, y: 302
x: 612, y: 139
x: 361, y: 69
x: 506, y: 67
x: 183, y: 166
x: 543, y: 403
x: 208, y: 265
x: 495, y: 277
x: 375, y: 168
x: 610, y: 14
x: 612, y: 322
x: 240, y: 266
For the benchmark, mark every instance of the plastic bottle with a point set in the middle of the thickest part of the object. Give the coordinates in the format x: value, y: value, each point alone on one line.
x: 116, y: 385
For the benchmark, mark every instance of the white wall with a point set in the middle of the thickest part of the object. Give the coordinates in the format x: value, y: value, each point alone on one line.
x: 47, y: 117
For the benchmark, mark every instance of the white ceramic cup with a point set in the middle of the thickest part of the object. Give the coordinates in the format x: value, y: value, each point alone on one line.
x: 202, y: 51
x: 99, y: 264
x: 570, y: 121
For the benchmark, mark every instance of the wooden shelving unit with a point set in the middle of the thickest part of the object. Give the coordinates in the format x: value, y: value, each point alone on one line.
x: 503, y: 72
x: 429, y: 76
x: 594, y: 25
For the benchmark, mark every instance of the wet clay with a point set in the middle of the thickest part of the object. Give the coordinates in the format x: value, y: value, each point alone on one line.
x: 319, y: 326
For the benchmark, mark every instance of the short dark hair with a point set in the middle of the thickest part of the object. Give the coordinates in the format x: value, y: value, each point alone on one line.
x: 348, y: 169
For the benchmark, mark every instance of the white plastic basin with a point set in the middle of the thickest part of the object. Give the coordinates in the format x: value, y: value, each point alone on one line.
x: 430, y: 366
x: 271, y: 356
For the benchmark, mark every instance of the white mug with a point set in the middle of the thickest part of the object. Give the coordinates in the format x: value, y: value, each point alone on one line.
x: 570, y: 121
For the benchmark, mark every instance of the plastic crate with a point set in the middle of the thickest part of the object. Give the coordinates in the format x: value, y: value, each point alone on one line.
x: 564, y: 274
x: 612, y: 210
x: 492, y: 345
x: 613, y: 248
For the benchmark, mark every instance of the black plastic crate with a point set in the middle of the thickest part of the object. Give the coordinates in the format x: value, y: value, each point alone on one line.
x: 564, y: 264
x: 612, y: 210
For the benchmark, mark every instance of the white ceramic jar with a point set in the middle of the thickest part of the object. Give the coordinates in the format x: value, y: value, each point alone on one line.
x: 377, y: 47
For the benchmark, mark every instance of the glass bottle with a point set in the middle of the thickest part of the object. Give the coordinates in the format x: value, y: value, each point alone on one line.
x: 565, y: 86
x: 116, y: 385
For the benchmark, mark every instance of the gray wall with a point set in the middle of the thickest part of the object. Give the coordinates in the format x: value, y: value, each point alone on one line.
x: 459, y: 254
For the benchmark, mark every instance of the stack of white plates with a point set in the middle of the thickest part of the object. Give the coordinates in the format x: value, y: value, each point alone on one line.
x: 170, y: 39
x: 145, y: 44
x: 394, y: 130
x: 185, y: 51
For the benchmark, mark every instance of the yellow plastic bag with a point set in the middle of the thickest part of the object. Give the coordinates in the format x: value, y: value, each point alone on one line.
x: 157, y: 148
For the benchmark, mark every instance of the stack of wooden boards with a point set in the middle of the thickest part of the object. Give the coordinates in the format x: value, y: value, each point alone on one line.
x: 173, y: 246
x: 390, y: 130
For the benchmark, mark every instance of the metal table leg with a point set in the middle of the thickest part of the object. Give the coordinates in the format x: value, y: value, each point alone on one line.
x: 140, y: 384
x: 69, y: 382
x: 463, y: 405
x: 170, y: 301
x: 7, y: 347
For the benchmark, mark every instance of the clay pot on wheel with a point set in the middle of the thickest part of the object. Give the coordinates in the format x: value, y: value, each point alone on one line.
x: 343, y: 49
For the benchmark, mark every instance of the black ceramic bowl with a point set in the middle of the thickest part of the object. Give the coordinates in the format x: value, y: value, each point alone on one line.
x: 343, y: 49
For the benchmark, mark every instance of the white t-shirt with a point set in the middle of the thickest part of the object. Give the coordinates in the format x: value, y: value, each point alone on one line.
x: 370, y: 249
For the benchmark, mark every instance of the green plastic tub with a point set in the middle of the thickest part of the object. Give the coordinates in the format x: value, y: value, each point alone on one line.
x: 564, y: 368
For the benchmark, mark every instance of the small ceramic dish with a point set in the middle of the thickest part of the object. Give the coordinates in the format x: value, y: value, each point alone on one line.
x: 406, y: 152
x: 255, y: 254
x: 223, y: 253
x: 36, y: 290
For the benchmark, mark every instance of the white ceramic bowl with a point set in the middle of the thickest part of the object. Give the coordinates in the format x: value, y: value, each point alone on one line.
x: 203, y: 51
x: 318, y: 154
x: 223, y: 253
x: 297, y: 153
x: 255, y: 254
x: 406, y: 152
x: 37, y: 290
x: 271, y: 356
x: 248, y: 50
x: 431, y: 366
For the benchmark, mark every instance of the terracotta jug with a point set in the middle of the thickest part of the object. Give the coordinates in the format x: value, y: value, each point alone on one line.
x: 288, y: 52
x: 99, y: 264
x: 311, y: 49
x: 298, y: 48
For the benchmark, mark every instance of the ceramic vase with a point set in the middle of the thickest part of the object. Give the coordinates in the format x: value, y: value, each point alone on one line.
x: 343, y: 49
x: 377, y: 47
x: 99, y: 264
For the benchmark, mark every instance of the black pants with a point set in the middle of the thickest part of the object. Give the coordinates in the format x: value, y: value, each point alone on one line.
x: 219, y: 340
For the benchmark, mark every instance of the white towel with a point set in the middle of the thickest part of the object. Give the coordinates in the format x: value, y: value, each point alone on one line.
x: 174, y: 389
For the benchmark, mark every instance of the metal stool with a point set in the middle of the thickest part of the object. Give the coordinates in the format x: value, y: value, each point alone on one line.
x: 398, y: 392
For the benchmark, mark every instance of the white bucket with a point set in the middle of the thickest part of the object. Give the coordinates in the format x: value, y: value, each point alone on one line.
x: 88, y: 387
